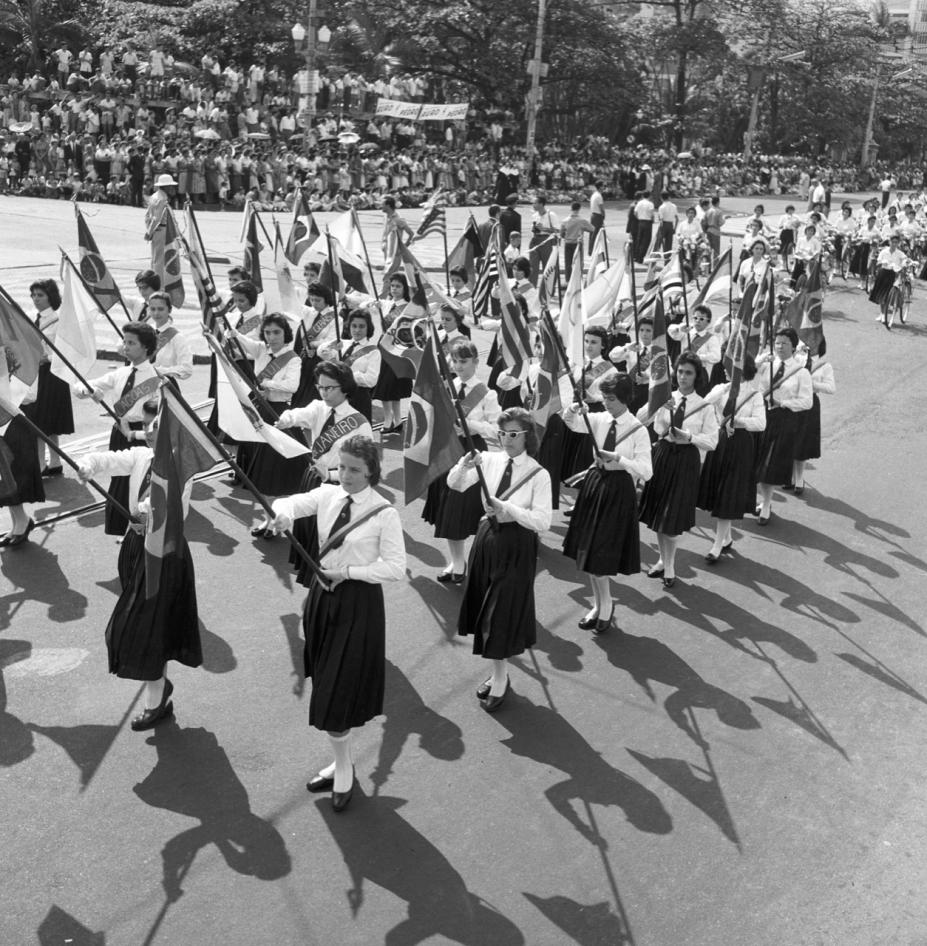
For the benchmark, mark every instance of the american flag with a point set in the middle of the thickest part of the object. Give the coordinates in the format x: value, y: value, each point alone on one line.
x: 435, y: 221
x: 485, y: 281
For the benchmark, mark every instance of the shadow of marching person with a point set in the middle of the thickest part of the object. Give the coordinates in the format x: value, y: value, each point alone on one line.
x: 16, y: 742
x: 379, y: 845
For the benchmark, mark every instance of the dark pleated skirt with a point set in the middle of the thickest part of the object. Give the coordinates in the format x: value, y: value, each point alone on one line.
x: 52, y: 410
x: 114, y: 522
x: 859, y: 262
x: 777, y: 447
x: 307, y: 391
x: 362, y: 400
x: 577, y: 449
x: 668, y: 500
x: 455, y: 515
x: 389, y: 387
x: 345, y: 654
x: 639, y: 397
x: 884, y: 281
x: 142, y: 634
x: 306, y: 530
x: 273, y: 474
x: 498, y: 595
x: 786, y: 241
x: 20, y: 475
x: 550, y: 452
x: 131, y: 553
x: 604, y: 535
x: 808, y: 439
x: 727, y: 486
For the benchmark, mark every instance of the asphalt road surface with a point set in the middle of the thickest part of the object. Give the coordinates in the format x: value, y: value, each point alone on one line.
x: 741, y: 765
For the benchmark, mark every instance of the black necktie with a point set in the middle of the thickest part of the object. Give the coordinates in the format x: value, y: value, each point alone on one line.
x: 130, y: 383
x: 143, y: 315
x: 679, y: 414
x: 343, y: 518
x: 588, y: 366
x: 350, y: 350
x: 780, y: 371
x: 611, y: 436
x: 506, y: 480
x: 463, y: 389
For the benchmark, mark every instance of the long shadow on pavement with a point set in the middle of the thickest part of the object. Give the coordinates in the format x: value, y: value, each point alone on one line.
x: 380, y: 846
x: 60, y: 928
x: 16, y: 742
x: 35, y: 569
x: 592, y: 925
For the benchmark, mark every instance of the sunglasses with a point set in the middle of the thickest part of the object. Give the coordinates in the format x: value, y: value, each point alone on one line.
x: 510, y: 434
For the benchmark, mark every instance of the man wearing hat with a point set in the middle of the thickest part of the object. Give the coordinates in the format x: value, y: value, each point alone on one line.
x: 159, y: 202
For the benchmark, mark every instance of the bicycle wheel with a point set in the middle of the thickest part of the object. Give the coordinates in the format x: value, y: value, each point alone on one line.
x: 905, y: 304
x: 845, y: 258
x: 893, y: 307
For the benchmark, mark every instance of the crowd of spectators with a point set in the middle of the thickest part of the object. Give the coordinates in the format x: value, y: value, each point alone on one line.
x: 100, y: 127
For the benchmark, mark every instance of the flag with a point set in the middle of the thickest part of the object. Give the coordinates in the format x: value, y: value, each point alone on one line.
x: 237, y: 416
x: 18, y: 335
x: 734, y: 363
x: 287, y: 299
x: 718, y: 285
x: 251, y: 263
x: 810, y: 326
x: 430, y: 445
x: 661, y: 387
x: 403, y: 358
x: 546, y: 280
x: 514, y: 342
x: 467, y: 248
x: 405, y: 261
x: 181, y: 451
x: 165, y: 258
x: 349, y: 270
x: 434, y: 221
x: 544, y: 401
x: 485, y: 281
x: 303, y: 232
x: 571, y: 315
x: 757, y: 307
x: 598, y: 258
x: 670, y: 278
x: 92, y: 267
x: 601, y: 296
x: 345, y: 230
x: 76, y: 339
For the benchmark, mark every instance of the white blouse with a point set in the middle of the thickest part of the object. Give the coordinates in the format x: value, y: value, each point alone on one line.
x: 634, y: 453
x: 822, y: 377
x: 114, y: 381
x: 375, y: 551
x: 751, y: 416
x: 703, y: 426
x: 709, y: 349
x: 593, y: 391
x: 284, y: 384
x: 312, y: 417
x: 175, y: 359
x: 133, y: 463
x: 48, y: 325
x: 794, y: 392
x: 483, y: 418
x: 529, y: 505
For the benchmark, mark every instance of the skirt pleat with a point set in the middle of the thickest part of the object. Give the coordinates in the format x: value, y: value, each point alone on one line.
x: 727, y: 486
x: 808, y: 439
x: 389, y: 387
x: 550, y: 453
x: 885, y: 279
x: 52, y: 411
x: 275, y: 475
x: 345, y: 654
x: 20, y: 475
x: 777, y: 447
x: 668, y: 500
x: 455, y: 515
x: 144, y: 634
x: 604, y: 535
x: 498, y: 595
x: 306, y: 531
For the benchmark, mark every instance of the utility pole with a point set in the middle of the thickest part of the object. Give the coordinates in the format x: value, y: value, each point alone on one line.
x: 536, y: 69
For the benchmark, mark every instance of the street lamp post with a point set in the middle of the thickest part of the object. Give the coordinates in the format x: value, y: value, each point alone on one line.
x: 313, y: 42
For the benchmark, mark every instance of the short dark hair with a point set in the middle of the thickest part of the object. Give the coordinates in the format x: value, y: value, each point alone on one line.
x: 523, y: 265
x: 575, y: 205
x: 238, y: 274
x: 145, y: 333
x: 389, y: 202
x: 749, y: 368
x: 161, y: 297
x: 460, y: 272
x: 688, y: 358
x: 400, y: 277
x: 363, y: 448
x: 463, y: 348
x: 620, y: 385
x: 704, y: 309
x: 150, y: 406
x: 320, y: 290
x: 360, y: 315
x: 338, y: 372
x: 281, y: 321
x: 523, y: 418
x: 494, y: 210
x: 51, y: 290
x: 598, y: 331
x: 149, y: 278
x: 645, y: 321
x: 247, y: 289
x: 790, y: 334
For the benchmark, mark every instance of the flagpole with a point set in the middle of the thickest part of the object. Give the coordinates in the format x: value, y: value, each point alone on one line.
x: 93, y: 295
x: 373, y: 281
x: 447, y: 270
x: 258, y: 495
x: 74, y: 465
x: 608, y: 262
x: 685, y: 300
x: 331, y: 278
x: 579, y: 398
x: 57, y: 351
x: 629, y: 251
x: 263, y: 227
x: 730, y: 289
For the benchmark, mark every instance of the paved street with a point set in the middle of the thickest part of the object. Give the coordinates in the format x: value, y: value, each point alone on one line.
x: 742, y: 765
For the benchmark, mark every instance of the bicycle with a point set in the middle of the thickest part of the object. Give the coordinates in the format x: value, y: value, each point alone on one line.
x: 899, y: 297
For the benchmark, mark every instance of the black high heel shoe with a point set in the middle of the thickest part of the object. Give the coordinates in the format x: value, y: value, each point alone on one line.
x: 11, y: 540
x: 493, y: 703
x: 151, y: 717
x: 341, y: 800
x: 587, y: 624
x: 601, y: 625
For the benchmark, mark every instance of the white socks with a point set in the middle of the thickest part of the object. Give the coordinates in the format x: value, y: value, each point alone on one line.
x: 344, y: 768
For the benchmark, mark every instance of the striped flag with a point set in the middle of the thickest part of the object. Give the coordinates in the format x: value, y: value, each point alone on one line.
x: 251, y: 262
x: 546, y: 280
x: 92, y: 267
x: 515, y: 343
x: 757, y: 307
x: 210, y: 302
x: 181, y: 451
x: 485, y: 281
x: 734, y: 363
x: 430, y: 446
x: 809, y: 323
x: 598, y: 258
x: 718, y: 285
x: 165, y: 258
x: 303, y: 232
x: 544, y: 400
x: 467, y: 248
x: 670, y: 278
x: 435, y: 221
x: 661, y: 387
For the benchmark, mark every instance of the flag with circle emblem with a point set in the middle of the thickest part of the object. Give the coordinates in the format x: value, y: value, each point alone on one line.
x: 304, y: 231
x: 661, y: 388
x: 430, y: 445
x: 165, y: 258
x: 93, y: 268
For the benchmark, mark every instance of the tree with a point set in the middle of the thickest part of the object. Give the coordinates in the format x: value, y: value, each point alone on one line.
x: 34, y: 27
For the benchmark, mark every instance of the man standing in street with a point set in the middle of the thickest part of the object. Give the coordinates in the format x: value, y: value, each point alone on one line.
x: 545, y: 226
x: 510, y: 218
x: 596, y: 212
x: 669, y: 217
x: 714, y: 220
x: 571, y: 232
x: 644, y: 213
x: 160, y: 201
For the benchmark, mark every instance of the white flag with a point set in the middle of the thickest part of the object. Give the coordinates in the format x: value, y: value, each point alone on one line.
x: 571, y: 315
x: 76, y: 337
x: 282, y: 297
x: 343, y: 230
x: 602, y: 295
x: 237, y: 415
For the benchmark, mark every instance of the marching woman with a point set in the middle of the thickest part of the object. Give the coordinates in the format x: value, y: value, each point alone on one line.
x: 808, y: 445
x: 389, y: 389
x: 807, y: 247
x: 328, y: 422
x: 498, y: 596
x: 754, y: 266
x: 867, y: 239
x: 144, y: 633
x: 51, y: 411
x: 455, y: 515
x: 727, y: 487
x: 891, y: 261
x: 173, y: 357
x: 668, y: 501
x: 276, y: 374
x: 316, y: 328
x: 128, y: 387
x: 787, y: 392
x: 20, y: 472
x: 636, y: 358
x: 604, y: 535
x: 702, y: 340
x: 345, y: 627
x: 452, y: 327
x: 361, y: 356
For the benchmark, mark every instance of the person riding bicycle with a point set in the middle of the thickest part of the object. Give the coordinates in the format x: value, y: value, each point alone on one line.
x: 807, y: 247
x: 844, y: 231
x: 892, y: 260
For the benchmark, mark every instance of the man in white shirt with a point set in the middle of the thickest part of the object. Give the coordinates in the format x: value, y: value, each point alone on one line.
x: 545, y: 225
x: 596, y: 212
x: 668, y: 216
x: 644, y: 212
